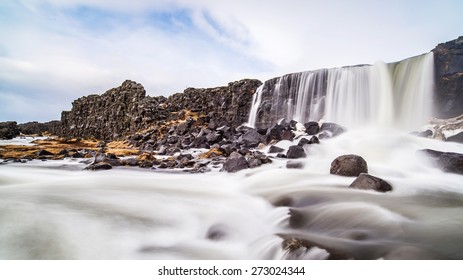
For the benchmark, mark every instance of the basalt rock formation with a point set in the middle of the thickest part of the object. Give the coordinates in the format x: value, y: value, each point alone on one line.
x: 119, y: 111
x: 448, y: 66
x: 125, y: 110
x: 8, y: 130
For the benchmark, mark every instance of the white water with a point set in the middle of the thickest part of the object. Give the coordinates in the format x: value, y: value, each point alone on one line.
x: 397, y: 94
x: 54, y: 210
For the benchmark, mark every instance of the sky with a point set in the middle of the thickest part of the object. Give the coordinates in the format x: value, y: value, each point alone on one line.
x: 55, y: 51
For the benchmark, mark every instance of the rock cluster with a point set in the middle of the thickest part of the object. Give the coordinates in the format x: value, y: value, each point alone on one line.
x: 31, y: 128
x: 448, y: 162
x: 356, y: 166
x: 8, y: 130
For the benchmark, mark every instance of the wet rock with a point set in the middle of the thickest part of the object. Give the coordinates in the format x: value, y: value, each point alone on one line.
x: 77, y: 155
x: 312, y: 128
x: 314, y: 140
x: 448, y: 162
x: 292, y: 244
x: 254, y: 162
x: 296, y: 151
x: 99, y: 166
x: 294, y: 165
x: 368, y: 182
x: 426, y: 133
x: 348, y: 165
x: 305, y: 141
x: 251, y: 138
x: 234, y: 163
x: 455, y: 138
x: 275, y: 149
x: 333, y: 128
x: 130, y: 162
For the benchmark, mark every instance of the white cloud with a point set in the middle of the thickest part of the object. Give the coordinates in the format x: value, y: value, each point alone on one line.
x: 53, y: 54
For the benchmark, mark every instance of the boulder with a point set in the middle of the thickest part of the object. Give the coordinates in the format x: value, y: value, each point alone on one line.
x: 312, y: 128
x: 234, y: 163
x: 448, y: 162
x: 305, y: 141
x: 275, y: 149
x: 251, y: 138
x: 296, y: 151
x: 99, y: 166
x: 368, y: 182
x: 333, y: 128
x: 254, y: 162
x: 349, y: 165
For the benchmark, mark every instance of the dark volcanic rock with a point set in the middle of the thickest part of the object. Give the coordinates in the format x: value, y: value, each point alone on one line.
x: 312, y: 128
x: 275, y: 149
x: 333, y: 128
x: 305, y: 141
x: 251, y: 138
x: 367, y: 182
x: 234, y: 163
x: 296, y: 151
x: 30, y: 128
x: 448, y: 65
x: 294, y: 165
x: 126, y: 109
x: 42, y: 153
x: 99, y: 166
x: 449, y: 162
x: 8, y: 130
x: 455, y: 138
x: 348, y: 165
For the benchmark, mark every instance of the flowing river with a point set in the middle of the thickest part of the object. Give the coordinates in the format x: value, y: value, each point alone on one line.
x: 55, y: 210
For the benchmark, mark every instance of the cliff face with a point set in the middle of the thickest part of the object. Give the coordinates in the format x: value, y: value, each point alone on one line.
x: 126, y: 109
x: 448, y: 63
x: 119, y: 111
x: 230, y: 103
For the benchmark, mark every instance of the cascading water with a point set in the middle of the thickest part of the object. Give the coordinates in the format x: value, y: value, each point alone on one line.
x: 398, y: 94
x: 55, y: 210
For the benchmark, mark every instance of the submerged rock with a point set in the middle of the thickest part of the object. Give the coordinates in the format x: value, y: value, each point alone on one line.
x: 99, y: 166
x: 349, y: 165
x: 296, y: 151
x: 275, y: 149
x: 294, y: 165
x: 333, y: 128
x: 368, y: 182
x: 449, y: 162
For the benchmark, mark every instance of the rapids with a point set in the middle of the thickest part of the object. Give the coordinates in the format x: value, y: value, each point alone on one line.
x: 54, y: 210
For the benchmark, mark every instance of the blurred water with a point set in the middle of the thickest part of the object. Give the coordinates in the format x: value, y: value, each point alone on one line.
x: 54, y: 210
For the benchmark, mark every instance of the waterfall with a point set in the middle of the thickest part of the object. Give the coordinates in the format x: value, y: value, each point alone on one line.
x: 395, y: 94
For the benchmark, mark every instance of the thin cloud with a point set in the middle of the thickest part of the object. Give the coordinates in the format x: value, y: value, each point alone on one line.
x: 57, y: 51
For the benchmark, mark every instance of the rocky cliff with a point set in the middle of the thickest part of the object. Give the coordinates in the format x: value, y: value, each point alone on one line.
x: 448, y: 65
x: 127, y: 109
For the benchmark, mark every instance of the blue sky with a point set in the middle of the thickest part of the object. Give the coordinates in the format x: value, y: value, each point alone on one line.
x: 54, y: 51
